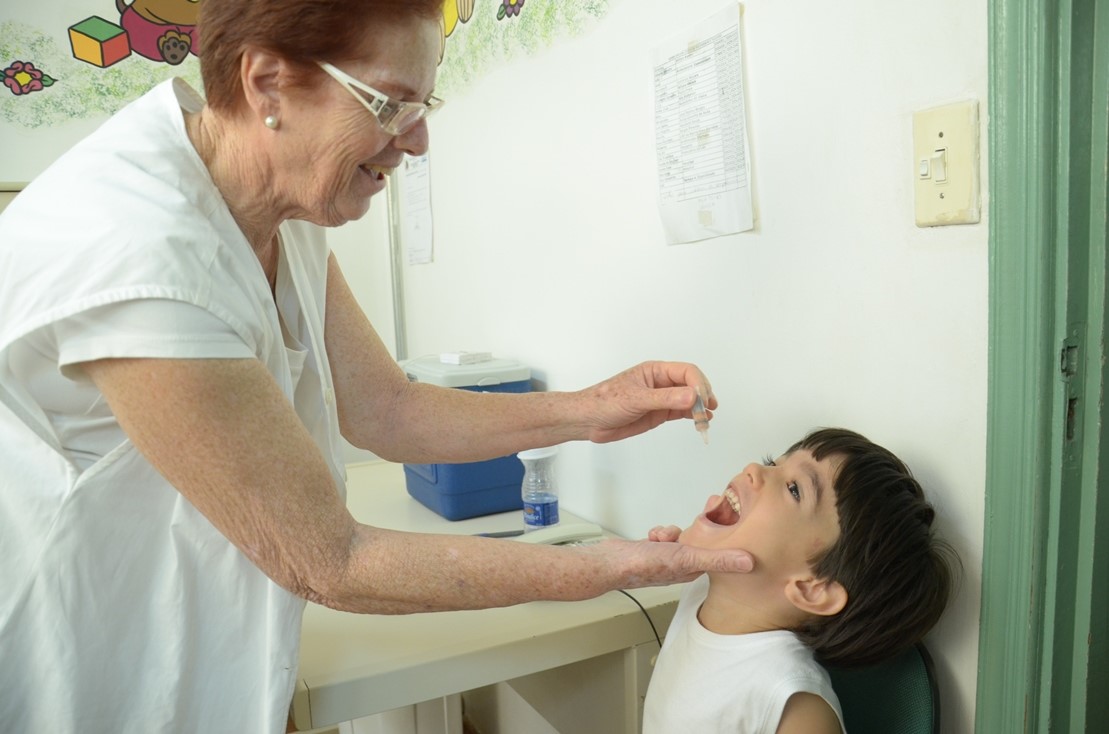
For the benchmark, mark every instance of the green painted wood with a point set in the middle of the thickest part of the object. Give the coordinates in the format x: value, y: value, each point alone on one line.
x: 1043, y: 649
x: 1081, y: 665
x: 1072, y: 261
x: 1021, y: 369
x: 1096, y: 511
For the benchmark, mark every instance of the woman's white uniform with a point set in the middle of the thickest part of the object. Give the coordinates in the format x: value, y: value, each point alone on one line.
x: 123, y: 609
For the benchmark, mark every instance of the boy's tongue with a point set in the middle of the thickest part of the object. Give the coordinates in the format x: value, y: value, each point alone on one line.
x: 722, y: 514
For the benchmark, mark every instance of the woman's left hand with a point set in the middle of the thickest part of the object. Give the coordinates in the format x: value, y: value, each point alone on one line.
x: 644, y: 397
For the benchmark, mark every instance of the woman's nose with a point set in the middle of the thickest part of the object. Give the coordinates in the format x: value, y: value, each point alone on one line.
x: 413, y: 141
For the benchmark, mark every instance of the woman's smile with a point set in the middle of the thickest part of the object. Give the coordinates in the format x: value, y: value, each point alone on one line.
x: 371, y: 179
x: 376, y: 171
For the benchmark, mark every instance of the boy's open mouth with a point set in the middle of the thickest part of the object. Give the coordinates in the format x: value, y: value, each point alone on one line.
x: 728, y: 511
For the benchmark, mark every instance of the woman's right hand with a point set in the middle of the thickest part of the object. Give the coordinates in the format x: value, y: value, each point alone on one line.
x: 664, y: 533
x: 651, y: 563
x: 644, y: 397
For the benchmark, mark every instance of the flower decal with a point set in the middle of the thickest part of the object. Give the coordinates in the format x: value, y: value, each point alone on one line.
x: 23, y: 78
x: 509, y: 9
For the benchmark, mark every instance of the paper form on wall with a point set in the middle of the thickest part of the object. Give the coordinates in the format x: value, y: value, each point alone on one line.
x: 701, y: 131
x: 415, y: 204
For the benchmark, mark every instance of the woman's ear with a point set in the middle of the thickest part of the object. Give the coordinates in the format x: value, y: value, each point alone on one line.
x: 261, y: 72
x: 819, y: 597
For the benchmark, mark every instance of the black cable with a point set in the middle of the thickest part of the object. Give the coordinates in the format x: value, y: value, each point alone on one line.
x: 648, y: 616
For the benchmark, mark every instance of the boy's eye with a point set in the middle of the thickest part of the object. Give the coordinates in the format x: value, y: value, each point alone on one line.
x: 791, y: 486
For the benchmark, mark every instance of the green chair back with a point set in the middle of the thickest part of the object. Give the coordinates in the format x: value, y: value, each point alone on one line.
x: 898, y: 696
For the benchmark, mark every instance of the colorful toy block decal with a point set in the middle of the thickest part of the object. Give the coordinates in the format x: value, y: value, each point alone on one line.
x: 98, y: 42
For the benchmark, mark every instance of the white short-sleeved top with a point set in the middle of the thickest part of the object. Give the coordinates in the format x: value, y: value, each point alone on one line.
x: 124, y: 610
x: 735, y: 684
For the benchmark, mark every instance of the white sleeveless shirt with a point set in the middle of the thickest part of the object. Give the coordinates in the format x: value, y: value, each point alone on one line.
x: 706, y: 683
x: 123, y: 609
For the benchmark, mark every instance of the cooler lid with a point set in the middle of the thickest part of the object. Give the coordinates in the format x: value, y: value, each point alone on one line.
x: 480, y: 374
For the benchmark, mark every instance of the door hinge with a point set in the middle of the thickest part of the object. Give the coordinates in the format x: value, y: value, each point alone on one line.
x: 1068, y: 358
x: 1070, y: 366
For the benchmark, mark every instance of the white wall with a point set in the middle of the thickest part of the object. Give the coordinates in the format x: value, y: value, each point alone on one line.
x: 362, y: 249
x: 836, y: 310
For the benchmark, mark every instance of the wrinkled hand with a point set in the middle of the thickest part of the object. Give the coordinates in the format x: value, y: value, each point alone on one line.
x: 644, y: 397
x: 664, y: 533
x: 648, y: 563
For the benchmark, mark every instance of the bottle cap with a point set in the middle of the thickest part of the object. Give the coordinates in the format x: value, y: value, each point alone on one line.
x: 542, y: 453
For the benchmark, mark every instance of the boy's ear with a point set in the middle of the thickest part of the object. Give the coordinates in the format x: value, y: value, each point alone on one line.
x: 816, y: 596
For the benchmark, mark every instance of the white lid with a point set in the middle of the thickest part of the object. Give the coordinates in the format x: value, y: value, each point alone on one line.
x: 481, y: 374
x: 542, y: 453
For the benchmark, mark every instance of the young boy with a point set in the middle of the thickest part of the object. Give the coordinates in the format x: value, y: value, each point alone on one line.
x: 847, y: 572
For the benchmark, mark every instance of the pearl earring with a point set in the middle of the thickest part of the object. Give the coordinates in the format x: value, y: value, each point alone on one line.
x: 270, y: 122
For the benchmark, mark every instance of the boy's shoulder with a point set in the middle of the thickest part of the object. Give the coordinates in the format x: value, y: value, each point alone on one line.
x: 808, y: 713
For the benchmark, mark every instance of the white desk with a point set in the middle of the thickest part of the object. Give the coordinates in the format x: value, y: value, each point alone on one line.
x: 354, y: 665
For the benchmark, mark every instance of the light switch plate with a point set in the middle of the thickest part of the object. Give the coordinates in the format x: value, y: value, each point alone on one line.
x: 945, y: 164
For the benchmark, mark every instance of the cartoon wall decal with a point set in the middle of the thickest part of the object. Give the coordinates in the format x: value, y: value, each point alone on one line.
x: 99, y: 42
x: 161, y: 30
x: 93, y: 67
x: 23, y: 78
x: 454, y: 12
x: 509, y: 8
x: 474, y: 41
x: 102, y: 54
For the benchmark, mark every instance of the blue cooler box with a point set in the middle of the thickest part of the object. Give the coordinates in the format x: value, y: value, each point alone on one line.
x: 459, y: 491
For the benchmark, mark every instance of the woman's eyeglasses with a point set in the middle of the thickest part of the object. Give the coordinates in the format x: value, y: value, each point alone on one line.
x: 395, y: 116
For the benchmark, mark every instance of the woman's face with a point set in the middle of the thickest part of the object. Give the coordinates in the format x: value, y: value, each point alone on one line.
x: 333, y: 155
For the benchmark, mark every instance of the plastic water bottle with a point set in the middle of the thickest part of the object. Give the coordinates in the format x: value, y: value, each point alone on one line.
x: 539, y: 490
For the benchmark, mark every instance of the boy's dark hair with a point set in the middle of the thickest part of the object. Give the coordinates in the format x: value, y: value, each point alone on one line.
x: 897, y: 574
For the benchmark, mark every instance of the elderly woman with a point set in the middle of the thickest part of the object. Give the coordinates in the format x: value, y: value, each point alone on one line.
x: 179, y: 355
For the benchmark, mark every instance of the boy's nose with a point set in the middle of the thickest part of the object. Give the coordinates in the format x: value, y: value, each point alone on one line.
x: 755, y: 474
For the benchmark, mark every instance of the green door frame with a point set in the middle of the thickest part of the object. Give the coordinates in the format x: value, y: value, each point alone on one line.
x: 1043, y: 649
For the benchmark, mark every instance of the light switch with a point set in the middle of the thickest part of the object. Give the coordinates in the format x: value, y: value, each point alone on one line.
x: 939, y: 166
x: 946, y: 151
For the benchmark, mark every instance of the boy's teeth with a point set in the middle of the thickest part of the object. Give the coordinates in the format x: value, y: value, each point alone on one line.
x: 733, y: 500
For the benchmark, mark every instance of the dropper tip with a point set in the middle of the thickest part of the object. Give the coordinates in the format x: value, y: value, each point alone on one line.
x: 700, y: 419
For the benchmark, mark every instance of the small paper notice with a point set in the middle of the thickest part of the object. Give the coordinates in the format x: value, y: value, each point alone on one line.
x: 701, y: 132
x: 415, y: 206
